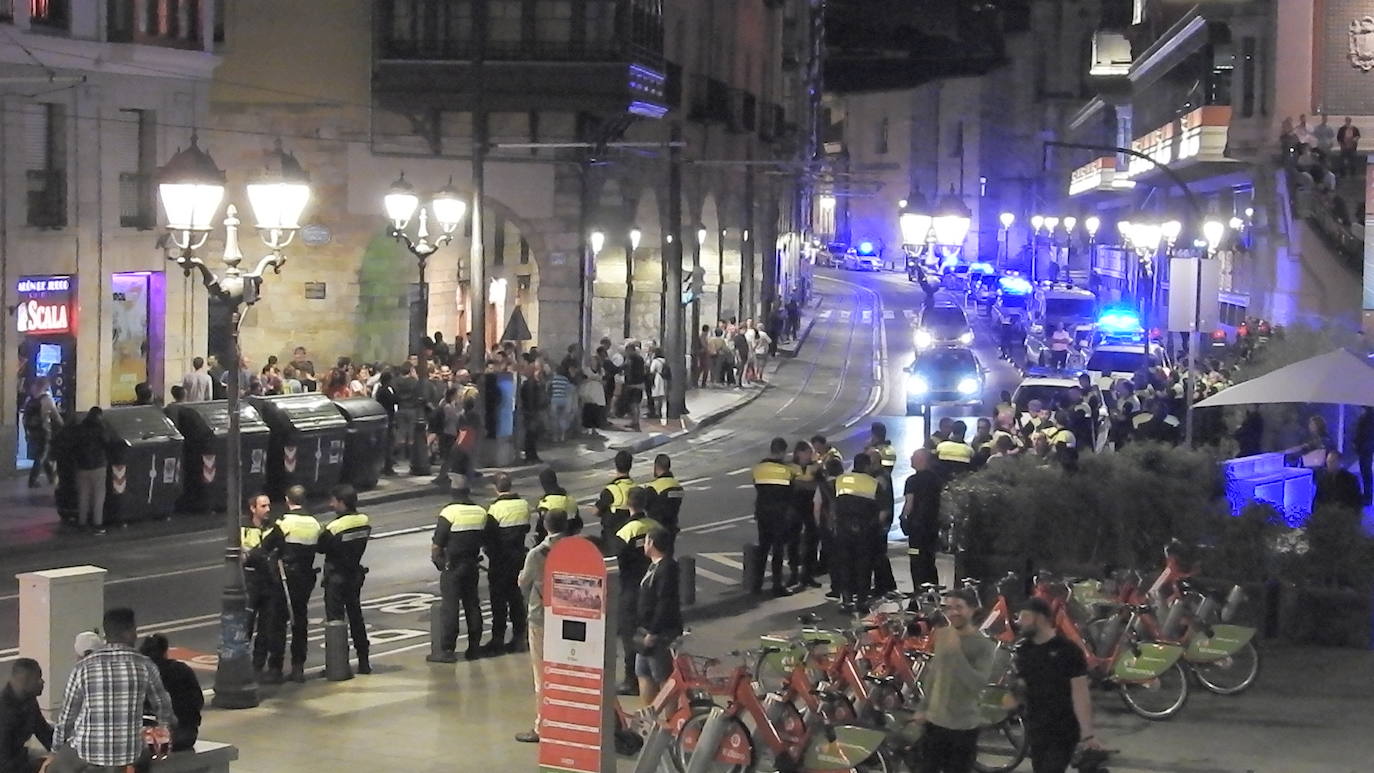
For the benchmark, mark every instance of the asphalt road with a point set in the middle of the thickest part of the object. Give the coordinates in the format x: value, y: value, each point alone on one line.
x: 849, y: 372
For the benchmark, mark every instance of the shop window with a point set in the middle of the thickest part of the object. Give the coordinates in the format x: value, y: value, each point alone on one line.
x: 51, y: 13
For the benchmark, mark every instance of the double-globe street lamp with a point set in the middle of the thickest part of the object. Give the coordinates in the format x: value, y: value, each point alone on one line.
x: 925, y: 228
x: 191, y: 188
x: 402, y: 204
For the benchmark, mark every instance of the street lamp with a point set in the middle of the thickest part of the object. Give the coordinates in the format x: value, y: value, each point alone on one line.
x: 191, y: 188
x: 1091, y: 224
x: 1037, y: 222
x: 952, y: 219
x: 1007, y: 219
x: 635, y: 236
x: 401, y: 204
x: 1070, y: 223
x: 1170, y: 229
x: 701, y: 236
x: 597, y: 241
x: 1213, y: 231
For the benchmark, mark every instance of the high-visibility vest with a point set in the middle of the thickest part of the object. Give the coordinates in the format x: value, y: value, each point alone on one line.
x: 463, y: 516
x: 954, y: 451
x: 301, y: 534
x: 620, y: 493
x: 887, y: 455
x: 345, y: 540
x: 250, y: 537
x: 510, y: 511
x: 856, y: 484
x: 772, y: 473
x: 667, y: 499
x: 1061, y: 436
x: 553, y: 502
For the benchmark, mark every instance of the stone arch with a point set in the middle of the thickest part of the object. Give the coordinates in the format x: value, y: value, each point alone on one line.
x: 644, y: 305
x: 611, y: 265
x: 707, y: 250
x: 731, y: 257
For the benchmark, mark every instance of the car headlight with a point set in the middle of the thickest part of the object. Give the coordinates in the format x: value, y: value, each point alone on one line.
x: 968, y: 386
x: 967, y: 338
x: 924, y: 339
x: 917, y: 385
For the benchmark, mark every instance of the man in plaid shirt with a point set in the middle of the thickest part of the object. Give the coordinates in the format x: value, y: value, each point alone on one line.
x: 100, y: 727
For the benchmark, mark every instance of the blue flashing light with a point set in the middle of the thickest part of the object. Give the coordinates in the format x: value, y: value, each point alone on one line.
x: 1015, y: 285
x: 1117, y: 321
x: 981, y: 268
x: 949, y: 262
x: 865, y: 248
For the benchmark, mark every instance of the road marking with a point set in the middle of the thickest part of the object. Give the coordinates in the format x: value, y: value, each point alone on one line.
x: 401, y: 532
x: 713, y: 524
x: 744, y: 486
x: 726, y: 559
x: 715, y: 529
x: 740, y: 471
x: 844, y: 315
x: 866, y: 317
x: 720, y: 578
x: 910, y: 314
x: 889, y: 314
x: 824, y: 314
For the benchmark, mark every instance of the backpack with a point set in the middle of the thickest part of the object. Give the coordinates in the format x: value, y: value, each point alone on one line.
x: 33, y: 415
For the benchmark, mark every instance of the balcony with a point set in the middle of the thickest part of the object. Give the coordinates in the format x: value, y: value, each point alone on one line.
x: 1098, y: 175
x: 710, y: 100
x: 1193, y: 142
x: 607, y: 58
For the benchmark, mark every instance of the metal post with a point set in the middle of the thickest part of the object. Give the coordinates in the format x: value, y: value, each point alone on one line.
x: 477, y: 276
x: 687, y: 580
x: 655, y: 747
x: 629, y: 285
x: 712, y: 736
x: 336, y: 665
x: 1194, y: 344
x: 675, y: 335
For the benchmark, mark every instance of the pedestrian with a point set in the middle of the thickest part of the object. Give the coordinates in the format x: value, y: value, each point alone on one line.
x: 442, y: 354
x: 772, y: 513
x: 1348, y: 138
x: 803, y: 537
x: 824, y: 508
x: 1337, y: 486
x: 613, y: 504
x: 763, y: 349
x: 741, y: 352
x: 100, y: 725
x: 659, y: 614
x: 385, y: 395
x: 292, y: 543
x: 266, y: 592
x: 1060, y: 341
x: 178, y: 394
x: 534, y: 403
x: 593, y: 397
x: 464, y: 528
x: 183, y: 687
x: 531, y: 581
x: 555, y: 499
x: 776, y: 324
x: 511, y: 523
x: 88, y: 446
x: 21, y: 719
x: 627, y: 545
x: 659, y: 373
x: 198, y: 384
x: 793, y: 319
x: 920, y: 519
x: 305, y: 369
x: 1324, y: 136
x: 855, y: 514
x: 665, y: 494
x: 562, y: 403
x: 1053, y: 676
x: 878, y: 440
x: 701, y: 357
x: 449, y: 414
x: 955, y: 455
x: 884, y: 583
x: 41, y: 422
x: 343, y: 543
x: 953, y: 679
x: 718, y: 354
x: 409, y: 403
x: 636, y: 372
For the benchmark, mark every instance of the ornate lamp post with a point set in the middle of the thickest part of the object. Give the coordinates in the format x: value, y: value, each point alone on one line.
x: 191, y: 188
x: 1007, y: 219
x: 401, y: 205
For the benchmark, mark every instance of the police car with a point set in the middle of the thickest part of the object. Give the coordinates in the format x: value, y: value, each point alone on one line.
x: 943, y: 324
x: 865, y: 257
x: 946, y: 375
x: 982, y: 287
x: 1013, y: 298
x: 1050, y: 388
x: 1119, y: 349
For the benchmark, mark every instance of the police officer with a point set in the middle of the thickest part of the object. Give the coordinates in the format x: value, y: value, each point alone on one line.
x: 883, y: 581
x: 824, y: 452
x: 665, y: 494
x: 612, y: 506
x: 555, y: 499
x: 505, y: 555
x: 804, y: 540
x: 292, y: 543
x: 887, y: 455
x: 463, y: 530
x: 343, y: 543
x: 856, y: 519
x: 825, y: 521
x: 628, y: 546
x: 773, y: 512
x: 941, y: 434
x: 956, y: 456
x: 266, y: 597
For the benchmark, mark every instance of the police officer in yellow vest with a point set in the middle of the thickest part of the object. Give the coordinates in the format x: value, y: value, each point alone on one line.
x: 555, y: 498
x: 505, y: 556
x: 464, y: 528
x: 877, y: 439
x: 955, y: 456
x: 665, y: 494
x: 612, y: 506
x: 266, y: 596
x: 856, y: 521
x: 343, y: 543
x: 293, y: 543
x: 628, y: 546
x: 824, y: 452
x: 804, y: 540
x: 773, y: 512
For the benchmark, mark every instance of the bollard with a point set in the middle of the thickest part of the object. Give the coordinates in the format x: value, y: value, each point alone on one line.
x: 712, y: 735
x: 753, y: 569
x: 436, y: 620
x: 336, y: 667
x: 419, y: 447
x: 687, y: 580
x: 655, y: 750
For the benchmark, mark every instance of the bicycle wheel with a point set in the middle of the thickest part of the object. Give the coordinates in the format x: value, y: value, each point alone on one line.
x: 684, y: 746
x: 1230, y: 675
x: 1158, y: 698
x: 1002, y: 747
x: 879, y: 762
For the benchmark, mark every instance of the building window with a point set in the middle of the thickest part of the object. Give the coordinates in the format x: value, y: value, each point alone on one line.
x: 505, y: 23
x: 600, y: 24
x: 50, y: 13
x: 524, y: 250
x: 134, y: 150
x: 552, y: 22
x: 880, y: 141
x: 45, y: 160
x: 428, y: 27
x: 498, y: 241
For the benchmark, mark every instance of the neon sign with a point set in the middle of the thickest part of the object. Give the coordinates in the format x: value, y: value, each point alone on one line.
x: 38, y: 317
x: 46, y: 305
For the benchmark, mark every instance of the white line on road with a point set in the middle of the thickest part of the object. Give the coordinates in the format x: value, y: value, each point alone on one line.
x: 740, y: 471
x: 720, y: 578
x: 844, y: 315
x: 726, y: 559
x: 866, y: 317
x: 715, y: 529
x: 694, y: 481
x: 824, y: 314
x: 745, y: 485
x: 889, y: 314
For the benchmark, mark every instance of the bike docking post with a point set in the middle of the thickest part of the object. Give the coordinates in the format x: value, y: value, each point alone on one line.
x: 687, y: 580
x: 436, y: 621
x: 712, y: 736
x: 336, y: 666
x: 753, y: 569
x: 651, y: 757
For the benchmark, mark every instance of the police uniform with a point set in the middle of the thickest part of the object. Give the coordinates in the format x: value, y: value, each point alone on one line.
x: 883, y: 580
x: 293, y: 542
x: 955, y: 457
x: 665, y: 501
x: 856, y: 519
x: 463, y: 530
x: 804, y: 540
x: 825, y: 487
x: 266, y: 598
x: 772, y: 514
x: 505, y: 555
x: 613, y: 505
x: 628, y: 546
x: 887, y: 456
x: 550, y: 502
x: 343, y: 541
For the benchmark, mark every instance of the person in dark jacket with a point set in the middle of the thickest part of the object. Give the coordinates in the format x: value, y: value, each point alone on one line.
x: 21, y: 718
x: 182, y: 685
x: 1336, y: 485
x: 659, y: 609
x: 1364, y: 449
x: 88, y: 445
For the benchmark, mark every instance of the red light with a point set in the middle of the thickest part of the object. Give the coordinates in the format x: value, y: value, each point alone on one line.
x: 1218, y: 334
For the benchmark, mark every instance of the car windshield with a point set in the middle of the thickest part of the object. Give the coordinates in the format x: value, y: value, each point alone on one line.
x: 1047, y: 394
x: 1070, y: 307
x: 1116, y: 362
x: 946, y: 361
x: 943, y: 317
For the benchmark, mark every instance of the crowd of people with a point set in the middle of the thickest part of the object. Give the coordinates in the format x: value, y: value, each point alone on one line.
x: 1319, y: 156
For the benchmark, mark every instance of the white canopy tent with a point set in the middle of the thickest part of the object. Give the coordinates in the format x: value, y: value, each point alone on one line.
x: 1335, y: 378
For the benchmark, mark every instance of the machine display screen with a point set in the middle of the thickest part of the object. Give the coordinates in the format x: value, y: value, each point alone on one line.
x: 574, y: 630
x: 48, y: 356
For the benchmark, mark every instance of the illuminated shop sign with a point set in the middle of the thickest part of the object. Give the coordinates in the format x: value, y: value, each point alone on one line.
x: 45, y: 305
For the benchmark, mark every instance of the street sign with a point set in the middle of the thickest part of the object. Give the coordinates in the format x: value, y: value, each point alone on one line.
x: 575, y: 716
x: 1187, y: 303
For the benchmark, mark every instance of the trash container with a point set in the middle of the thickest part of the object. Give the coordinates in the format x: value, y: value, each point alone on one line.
x: 307, y: 446
x: 206, y: 429
x: 145, y: 452
x: 365, y: 444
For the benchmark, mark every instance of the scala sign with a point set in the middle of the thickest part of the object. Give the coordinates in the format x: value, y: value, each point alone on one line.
x: 45, y: 305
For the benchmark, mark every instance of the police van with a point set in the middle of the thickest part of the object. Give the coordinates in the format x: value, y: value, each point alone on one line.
x: 1060, y: 305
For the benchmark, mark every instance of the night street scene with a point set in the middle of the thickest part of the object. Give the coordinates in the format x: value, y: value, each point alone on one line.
x: 686, y: 386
